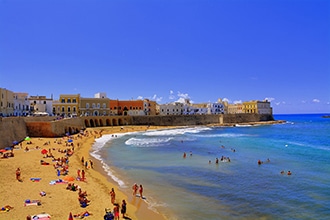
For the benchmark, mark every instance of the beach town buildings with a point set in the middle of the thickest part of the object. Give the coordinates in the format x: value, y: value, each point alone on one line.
x: 73, y: 105
x: 187, y: 108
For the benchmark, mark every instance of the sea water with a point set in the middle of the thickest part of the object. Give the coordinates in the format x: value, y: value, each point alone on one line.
x: 196, y: 187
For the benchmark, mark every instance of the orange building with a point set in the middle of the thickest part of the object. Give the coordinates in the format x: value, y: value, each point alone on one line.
x: 132, y: 107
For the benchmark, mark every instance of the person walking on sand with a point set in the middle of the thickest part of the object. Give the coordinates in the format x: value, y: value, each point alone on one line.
x: 18, y: 174
x: 141, y: 191
x: 135, y: 188
x: 113, y: 196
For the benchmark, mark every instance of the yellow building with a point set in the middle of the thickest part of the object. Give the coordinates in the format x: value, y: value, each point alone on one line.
x: 67, y: 105
x: 259, y: 107
x: 6, y: 102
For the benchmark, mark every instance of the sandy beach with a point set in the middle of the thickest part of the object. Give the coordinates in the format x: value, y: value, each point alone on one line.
x: 58, y: 201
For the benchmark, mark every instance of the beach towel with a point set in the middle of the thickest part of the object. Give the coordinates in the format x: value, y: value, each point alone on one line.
x: 43, y: 216
x: 59, y: 181
x: 6, y: 208
x: 29, y: 202
x: 35, y: 179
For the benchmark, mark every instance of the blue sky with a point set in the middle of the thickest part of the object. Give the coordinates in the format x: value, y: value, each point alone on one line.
x: 165, y: 50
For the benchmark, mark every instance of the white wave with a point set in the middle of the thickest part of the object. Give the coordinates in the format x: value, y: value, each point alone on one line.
x: 97, y: 145
x: 148, y: 142
x: 306, y: 145
x: 176, y: 131
x: 109, y: 171
x: 238, y: 125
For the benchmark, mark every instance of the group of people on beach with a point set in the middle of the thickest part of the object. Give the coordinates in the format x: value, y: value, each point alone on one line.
x: 61, y: 165
x: 117, y: 208
x: 137, y: 188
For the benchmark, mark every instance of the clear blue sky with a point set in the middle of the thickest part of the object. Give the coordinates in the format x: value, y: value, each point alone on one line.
x: 165, y: 50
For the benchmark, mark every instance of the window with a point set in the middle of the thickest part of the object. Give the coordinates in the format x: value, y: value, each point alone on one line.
x: 74, y: 101
x: 87, y: 105
x: 69, y: 109
x: 45, y: 102
x: 62, y: 109
x: 98, y: 105
x: 69, y: 100
x: 93, y: 105
x: 63, y: 101
x: 104, y: 105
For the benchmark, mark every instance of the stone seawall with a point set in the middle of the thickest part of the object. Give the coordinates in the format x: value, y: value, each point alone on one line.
x: 11, y: 129
x: 55, y: 128
x: 16, y: 129
x: 180, y: 120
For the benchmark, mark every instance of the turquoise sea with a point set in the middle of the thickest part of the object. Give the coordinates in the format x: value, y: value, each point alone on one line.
x: 194, y: 188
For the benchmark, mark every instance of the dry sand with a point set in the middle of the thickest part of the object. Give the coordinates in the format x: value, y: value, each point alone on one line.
x: 59, y: 201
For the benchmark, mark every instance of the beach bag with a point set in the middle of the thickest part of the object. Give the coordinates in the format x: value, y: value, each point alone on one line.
x: 108, y: 216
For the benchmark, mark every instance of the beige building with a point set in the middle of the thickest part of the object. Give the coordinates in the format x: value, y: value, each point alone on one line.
x: 94, y: 106
x: 6, y: 102
x: 235, y: 108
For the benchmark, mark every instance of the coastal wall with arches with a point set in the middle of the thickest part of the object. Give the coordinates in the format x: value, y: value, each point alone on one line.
x: 17, y: 128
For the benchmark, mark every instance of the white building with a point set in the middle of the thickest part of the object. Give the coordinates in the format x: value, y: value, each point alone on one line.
x: 175, y: 108
x: 41, y: 104
x: 21, y: 104
x: 216, y: 108
x: 100, y: 95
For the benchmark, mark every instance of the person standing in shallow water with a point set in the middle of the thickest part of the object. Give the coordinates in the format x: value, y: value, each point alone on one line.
x: 135, y: 188
x: 141, y: 191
